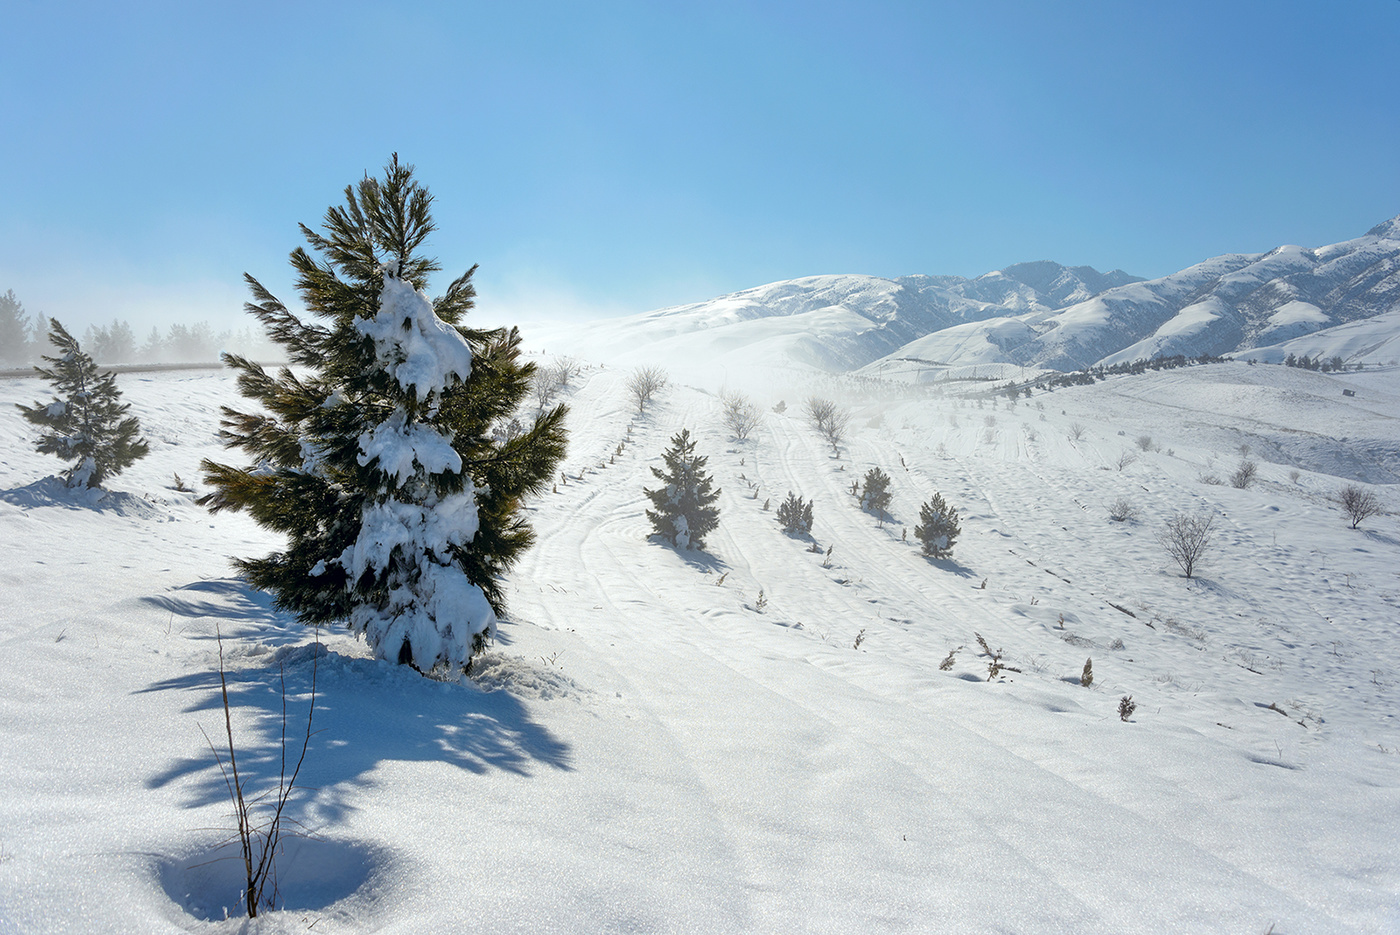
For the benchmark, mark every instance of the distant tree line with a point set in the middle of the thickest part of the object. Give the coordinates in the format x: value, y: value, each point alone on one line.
x: 1315, y: 363
x: 24, y: 339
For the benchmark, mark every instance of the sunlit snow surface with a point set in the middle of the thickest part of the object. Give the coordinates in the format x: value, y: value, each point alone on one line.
x: 649, y: 750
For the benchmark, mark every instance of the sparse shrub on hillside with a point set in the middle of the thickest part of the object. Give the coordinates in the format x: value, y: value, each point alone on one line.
x: 795, y: 515
x: 1086, y: 677
x: 938, y: 528
x: 1358, y: 503
x: 1187, y: 537
x: 1144, y: 442
x: 1122, y: 510
x: 780, y: 407
x: 376, y: 457
x: 645, y: 384
x: 830, y: 421
x: 86, y: 422
x: 875, y: 495
x: 1126, y: 707
x: 1244, y: 474
x: 741, y: 416
x: 1210, y: 479
x: 683, y: 512
x: 1125, y: 458
x: 1293, y: 475
x: 1076, y: 431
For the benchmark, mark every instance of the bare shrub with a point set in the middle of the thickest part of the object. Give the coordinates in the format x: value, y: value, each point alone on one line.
x: 644, y: 384
x: 741, y: 416
x: 1358, y: 503
x: 1144, y: 442
x: 1245, y: 474
x: 1122, y: 510
x: 1125, y: 458
x: 1076, y: 431
x: 830, y: 420
x: 1186, y: 537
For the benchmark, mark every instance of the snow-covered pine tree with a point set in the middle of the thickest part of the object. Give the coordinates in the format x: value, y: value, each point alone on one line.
x: 875, y: 494
x: 683, y: 513
x: 938, y: 528
x: 86, y: 423
x: 381, y: 458
x: 14, y: 331
x: 796, y: 515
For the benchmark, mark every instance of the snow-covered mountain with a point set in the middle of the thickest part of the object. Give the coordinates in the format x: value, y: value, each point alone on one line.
x: 1039, y: 314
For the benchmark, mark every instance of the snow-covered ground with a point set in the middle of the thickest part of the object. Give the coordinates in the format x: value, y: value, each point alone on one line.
x: 652, y: 747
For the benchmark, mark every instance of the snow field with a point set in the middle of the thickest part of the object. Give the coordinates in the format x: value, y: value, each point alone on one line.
x: 647, y: 750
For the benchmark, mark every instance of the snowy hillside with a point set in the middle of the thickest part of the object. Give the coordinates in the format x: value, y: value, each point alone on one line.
x: 1040, y: 315
x: 825, y: 323
x: 760, y: 737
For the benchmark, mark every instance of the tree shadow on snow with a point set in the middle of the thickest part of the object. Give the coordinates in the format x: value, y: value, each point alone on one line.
x: 951, y: 565
x: 367, y: 713
x: 52, y: 491
x: 232, y: 599
x: 1380, y: 537
x: 698, y: 559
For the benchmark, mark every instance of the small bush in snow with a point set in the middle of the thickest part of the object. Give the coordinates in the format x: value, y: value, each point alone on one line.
x: 1358, y: 503
x: 1122, y: 510
x: 1125, y: 458
x: 683, y: 512
x: 1086, y: 677
x: 1076, y: 431
x: 1245, y: 474
x: 830, y: 420
x: 795, y: 514
x: 644, y: 384
x: 875, y: 493
x: 86, y: 422
x: 1126, y: 707
x: 741, y: 416
x: 1186, y: 537
x: 938, y: 528
x: 1144, y: 442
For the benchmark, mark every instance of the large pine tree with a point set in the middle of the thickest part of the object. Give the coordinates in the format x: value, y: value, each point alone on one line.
x: 378, y: 455
x: 684, y: 513
x: 86, y: 422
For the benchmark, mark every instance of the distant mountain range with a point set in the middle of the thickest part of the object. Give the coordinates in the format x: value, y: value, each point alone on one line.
x: 1342, y: 300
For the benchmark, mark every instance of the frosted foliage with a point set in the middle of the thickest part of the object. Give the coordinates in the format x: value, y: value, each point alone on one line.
x: 433, y: 604
x: 397, y: 446
x: 418, y: 349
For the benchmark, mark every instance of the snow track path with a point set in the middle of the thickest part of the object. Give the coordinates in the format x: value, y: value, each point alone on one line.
x: 827, y: 792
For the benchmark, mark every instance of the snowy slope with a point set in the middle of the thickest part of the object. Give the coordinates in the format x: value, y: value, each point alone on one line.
x: 649, y: 749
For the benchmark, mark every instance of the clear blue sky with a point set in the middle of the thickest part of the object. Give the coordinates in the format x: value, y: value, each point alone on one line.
x: 605, y: 158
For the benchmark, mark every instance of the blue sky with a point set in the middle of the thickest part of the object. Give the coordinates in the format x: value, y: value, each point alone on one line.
x: 608, y: 158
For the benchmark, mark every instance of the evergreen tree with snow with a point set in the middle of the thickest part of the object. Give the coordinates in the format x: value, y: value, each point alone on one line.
x: 381, y: 456
x: 86, y: 422
x: 795, y: 514
x: 684, y: 514
x: 875, y: 494
x: 938, y: 528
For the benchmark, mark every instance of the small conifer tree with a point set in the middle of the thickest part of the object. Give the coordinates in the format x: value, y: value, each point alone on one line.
x: 796, y: 515
x: 938, y: 528
x: 386, y: 459
x: 86, y: 423
x: 684, y: 514
x: 875, y: 494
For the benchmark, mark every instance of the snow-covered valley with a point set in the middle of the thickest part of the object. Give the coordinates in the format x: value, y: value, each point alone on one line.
x: 757, y: 737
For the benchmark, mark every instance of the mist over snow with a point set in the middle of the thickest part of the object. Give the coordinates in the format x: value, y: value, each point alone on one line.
x: 759, y: 737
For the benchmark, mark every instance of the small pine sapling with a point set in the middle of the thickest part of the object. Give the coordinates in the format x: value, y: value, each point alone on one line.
x: 86, y: 422
x: 860, y: 638
x: 1126, y: 707
x: 795, y: 515
x: 1086, y: 678
x: 938, y: 528
x: 875, y: 495
x: 762, y: 601
x: 684, y: 512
